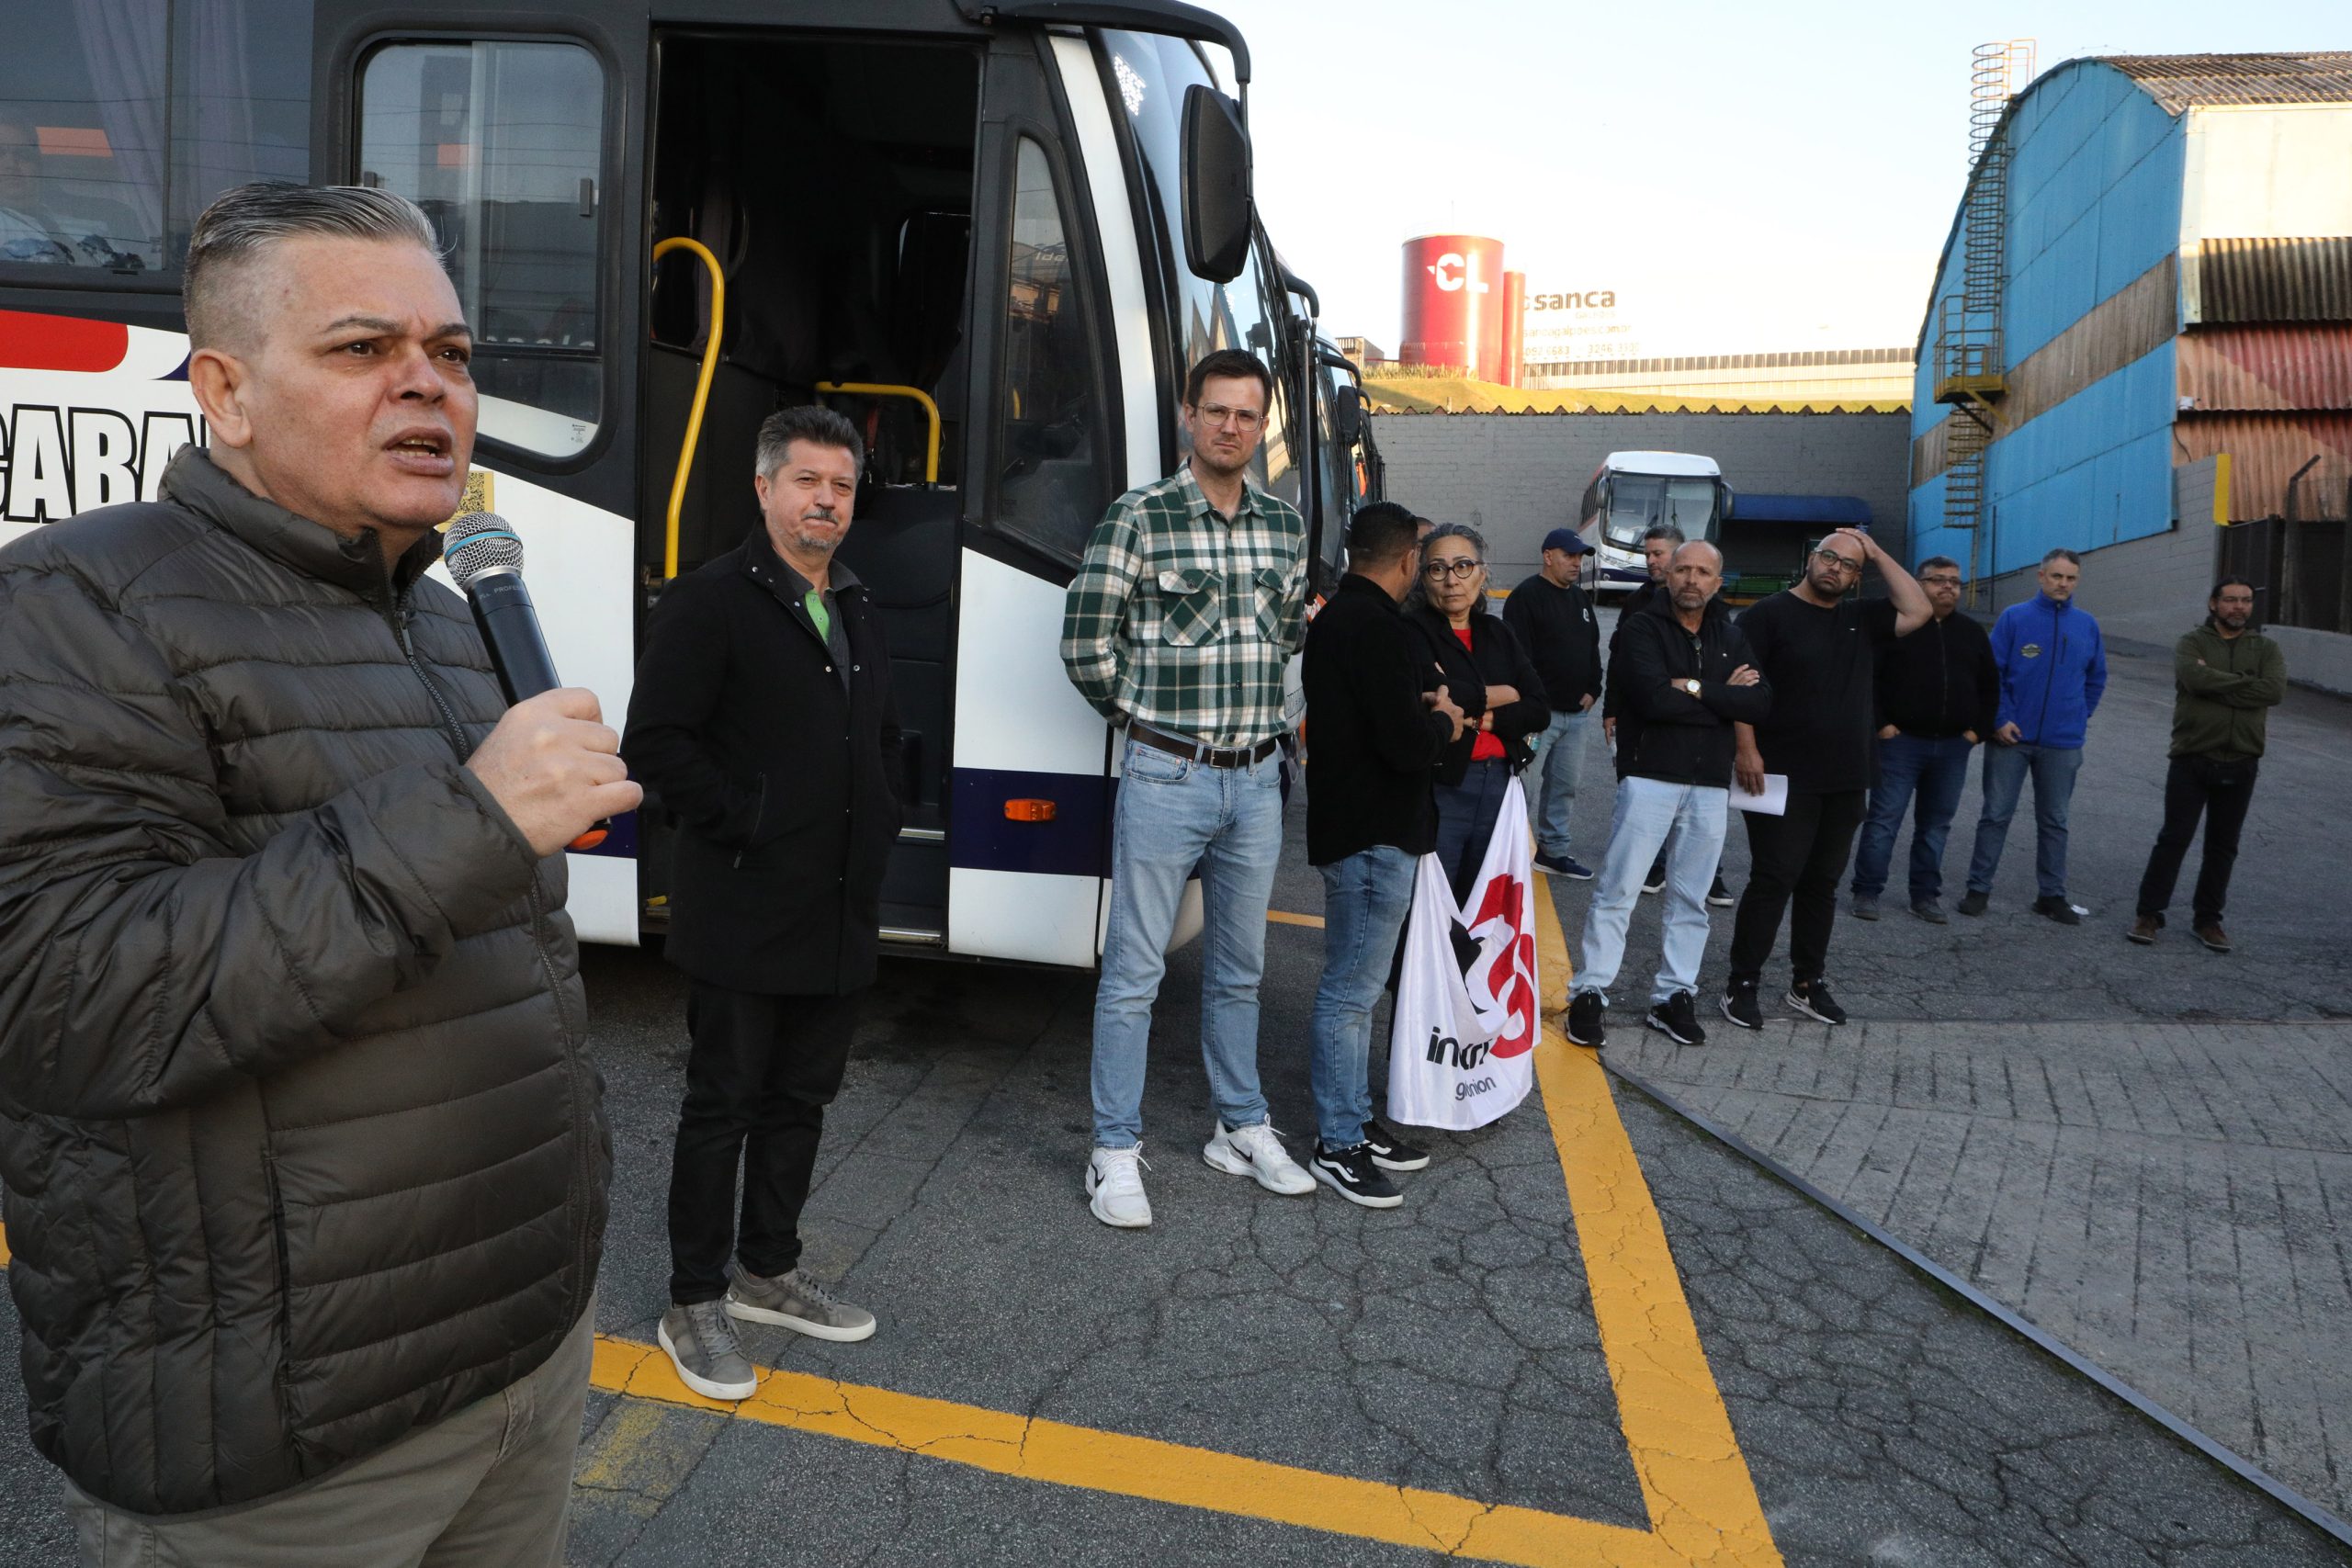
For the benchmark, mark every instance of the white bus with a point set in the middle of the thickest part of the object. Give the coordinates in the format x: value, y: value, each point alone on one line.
x: 1631, y: 491
x: 994, y: 233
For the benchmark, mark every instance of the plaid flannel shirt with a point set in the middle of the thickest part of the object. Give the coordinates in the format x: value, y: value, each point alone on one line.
x: 1183, y: 620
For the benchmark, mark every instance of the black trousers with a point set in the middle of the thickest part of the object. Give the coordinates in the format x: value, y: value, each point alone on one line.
x: 759, y: 1076
x: 2219, y: 791
x: 1794, y: 860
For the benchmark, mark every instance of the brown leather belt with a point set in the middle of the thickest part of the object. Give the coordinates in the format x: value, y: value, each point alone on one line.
x: 1193, y: 751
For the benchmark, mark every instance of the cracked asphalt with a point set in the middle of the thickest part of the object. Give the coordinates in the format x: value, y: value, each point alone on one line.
x: 1449, y: 1348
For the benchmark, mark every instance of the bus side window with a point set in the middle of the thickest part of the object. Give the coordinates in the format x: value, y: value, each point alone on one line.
x: 82, y: 140
x: 501, y: 144
x: 1051, y: 489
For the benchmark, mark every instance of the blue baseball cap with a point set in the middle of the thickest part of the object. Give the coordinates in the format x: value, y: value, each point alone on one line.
x: 1566, y: 539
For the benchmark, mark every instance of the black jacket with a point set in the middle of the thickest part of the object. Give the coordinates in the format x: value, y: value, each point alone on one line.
x: 1371, y: 743
x: 1562, y: 635
x: 1494, y: 658
x: 1939, y: 681
x: 1664, y: 733
x: 783, y: 779
x: 1643, y: 594
x: 301, y: 1144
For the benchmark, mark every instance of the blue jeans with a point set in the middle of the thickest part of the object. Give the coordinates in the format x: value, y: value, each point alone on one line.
x: 1933, y: 768
x: 1552, y: 783
x: 1365, y: 899
x: 1465, y: 821
x: 2053, y: 769
x: 1171, y: 816
x: 1648, y: 811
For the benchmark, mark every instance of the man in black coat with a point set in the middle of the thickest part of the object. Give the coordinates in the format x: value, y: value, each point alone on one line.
x: 1375, y: 735
x: 1555, y: 624
x: 1683, y: 675
x: 762, y: 719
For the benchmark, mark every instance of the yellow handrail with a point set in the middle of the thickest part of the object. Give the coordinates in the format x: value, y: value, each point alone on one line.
x: 702, y: 391
x: 887, y: 389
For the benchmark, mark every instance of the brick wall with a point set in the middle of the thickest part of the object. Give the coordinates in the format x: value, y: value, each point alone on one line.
x: 1516, y: 477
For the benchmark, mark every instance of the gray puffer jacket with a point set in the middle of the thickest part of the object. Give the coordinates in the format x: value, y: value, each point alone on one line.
x: 301, y: 1147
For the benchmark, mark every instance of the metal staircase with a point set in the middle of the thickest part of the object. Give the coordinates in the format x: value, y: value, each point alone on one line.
x: 1972, y: 367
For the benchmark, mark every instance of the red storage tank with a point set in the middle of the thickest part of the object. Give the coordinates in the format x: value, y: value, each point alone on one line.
x: 1510, y: 364
x: 1454, y: 303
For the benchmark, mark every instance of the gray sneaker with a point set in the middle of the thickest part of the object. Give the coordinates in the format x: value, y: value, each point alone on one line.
x: 1930, y: 910
x: 702, y: 1345
x: 796, y: 1302
x: 1866, y: 906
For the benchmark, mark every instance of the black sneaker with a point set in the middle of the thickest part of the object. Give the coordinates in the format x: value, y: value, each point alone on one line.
x: 1655, y: 880
x: 1973, y: 902
x: 1390, y: 1152
x: 1568, y: 866
x: 1350, y: 1173
x: 1866, y: 906
x: 1718, y: 895
x: 2058, y: 910
x: 1740, y: 1005
x: 1584, y: 1026
x: 1677, y: 1020
x: 1811, y: 999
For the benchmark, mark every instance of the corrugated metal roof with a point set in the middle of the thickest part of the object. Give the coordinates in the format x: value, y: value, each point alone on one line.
x: 2265, y: 451
x: 2180, y: 82
x: 2307, y: 279
x: 2266, y: 367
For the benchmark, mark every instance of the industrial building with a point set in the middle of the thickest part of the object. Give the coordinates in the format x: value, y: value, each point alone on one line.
x: 2141, y: 328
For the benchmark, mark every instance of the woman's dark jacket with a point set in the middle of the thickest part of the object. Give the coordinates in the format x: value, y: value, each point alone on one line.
x: 1495, y: 658
x: 1666, y: 733
x: 302, y: 1144
x: 782, y: 771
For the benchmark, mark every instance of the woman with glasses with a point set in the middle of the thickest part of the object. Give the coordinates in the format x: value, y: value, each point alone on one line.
x: 1486, y: 670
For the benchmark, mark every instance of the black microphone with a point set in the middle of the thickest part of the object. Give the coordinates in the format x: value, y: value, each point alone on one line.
x: 486, y: 558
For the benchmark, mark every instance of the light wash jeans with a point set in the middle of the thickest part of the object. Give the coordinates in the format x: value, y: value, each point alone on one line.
x: 2053, y: 769
x: 1173, y: 815
x: 1552, y: 782
x: 1647, y: 811
x: 1365, y: 899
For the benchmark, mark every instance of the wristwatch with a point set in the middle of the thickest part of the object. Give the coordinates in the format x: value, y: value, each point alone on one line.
x: 1689, y: 686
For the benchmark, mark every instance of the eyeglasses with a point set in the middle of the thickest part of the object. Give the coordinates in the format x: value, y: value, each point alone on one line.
x: 1941, y: 580
x: 1833, y: 558
x: 1217, y: 413
x: 1439, y: 570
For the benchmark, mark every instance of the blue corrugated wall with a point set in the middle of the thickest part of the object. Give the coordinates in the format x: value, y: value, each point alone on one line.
x: 2095, y: 191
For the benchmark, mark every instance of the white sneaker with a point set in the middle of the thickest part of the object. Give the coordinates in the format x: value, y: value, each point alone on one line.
x: 1115, y: 1188
x: 1256, y: 1151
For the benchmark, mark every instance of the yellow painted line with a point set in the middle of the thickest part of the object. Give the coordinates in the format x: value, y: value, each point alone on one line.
x: 1700, y: 1501
x: 1284, y: 918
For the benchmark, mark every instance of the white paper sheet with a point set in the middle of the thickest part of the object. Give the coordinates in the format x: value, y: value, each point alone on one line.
x: 1773, y: 802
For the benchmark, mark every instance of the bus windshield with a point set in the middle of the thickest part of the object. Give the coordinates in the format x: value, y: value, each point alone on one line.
x: 1638, y: 500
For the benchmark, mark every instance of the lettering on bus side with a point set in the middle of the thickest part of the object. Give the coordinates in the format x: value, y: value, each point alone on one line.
x: 57, y: 460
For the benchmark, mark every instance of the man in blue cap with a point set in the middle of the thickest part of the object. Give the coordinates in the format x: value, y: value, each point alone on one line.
x: 1554, y: 619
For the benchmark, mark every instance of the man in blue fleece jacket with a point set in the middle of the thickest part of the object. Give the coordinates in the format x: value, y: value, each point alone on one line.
x: 2053, y: 668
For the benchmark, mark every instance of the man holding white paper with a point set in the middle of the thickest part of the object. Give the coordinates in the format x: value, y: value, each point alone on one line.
x: 1684, y: 675
x: 1818, y: 650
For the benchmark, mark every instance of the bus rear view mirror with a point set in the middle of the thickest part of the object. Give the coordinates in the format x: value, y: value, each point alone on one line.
x: 1347, y: 415
x: 1216, y: 186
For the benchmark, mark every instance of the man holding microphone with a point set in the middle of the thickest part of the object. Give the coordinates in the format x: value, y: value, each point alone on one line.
x: 304, y: 1161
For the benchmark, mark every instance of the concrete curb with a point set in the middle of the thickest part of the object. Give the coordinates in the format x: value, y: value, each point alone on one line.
x: 2278, y: 1492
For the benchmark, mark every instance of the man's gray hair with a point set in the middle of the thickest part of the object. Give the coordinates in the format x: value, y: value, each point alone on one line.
x: 242, y: 223
x: 2063, y: 554
x: 805, y: 421
x: 1663, y: 531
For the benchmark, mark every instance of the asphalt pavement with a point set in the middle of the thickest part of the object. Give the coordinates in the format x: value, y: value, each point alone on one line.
x: 1592, y: 1335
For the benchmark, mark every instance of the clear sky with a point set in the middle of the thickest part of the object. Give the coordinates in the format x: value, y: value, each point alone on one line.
x: 1751, y: 176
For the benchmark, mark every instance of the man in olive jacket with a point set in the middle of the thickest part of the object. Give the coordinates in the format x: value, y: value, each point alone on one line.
x: 762, y: 719
x: 305, y: 1163
x: 2228, y: 679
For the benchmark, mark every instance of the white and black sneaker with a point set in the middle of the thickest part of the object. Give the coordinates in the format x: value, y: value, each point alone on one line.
x: 1350, y: 1173
x: 1811, y: 999
x: 1584, y: 1026
x: 1655, y: 880
x: 1740, y: 1005
x: 1390, y: 1152
x: 1678, y: 1019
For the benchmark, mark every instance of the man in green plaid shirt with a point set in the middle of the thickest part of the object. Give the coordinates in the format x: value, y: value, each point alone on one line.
x: 1179, y: 624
